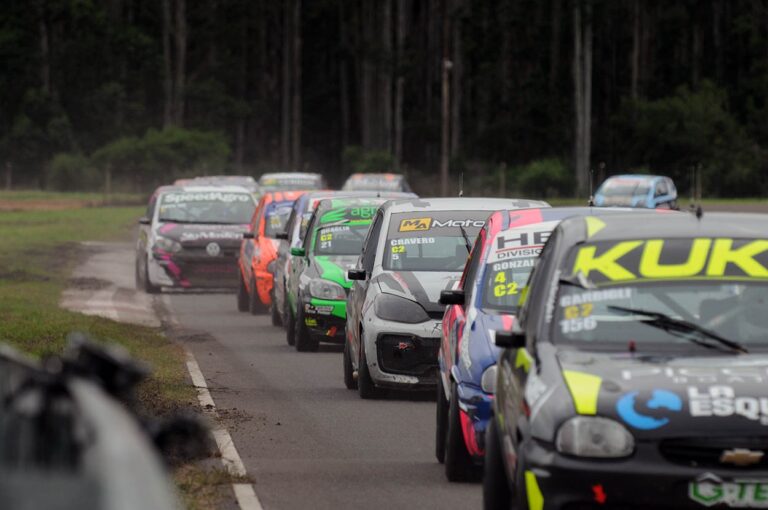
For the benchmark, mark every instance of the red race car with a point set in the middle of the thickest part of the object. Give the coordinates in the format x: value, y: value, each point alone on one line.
x: 258, y: 251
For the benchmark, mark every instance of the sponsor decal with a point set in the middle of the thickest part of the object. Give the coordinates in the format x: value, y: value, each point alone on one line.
x: 412, y: 240
x: 318, y: 309
x: 208, y: 196
x: 660, y: 399
x: 349, y: 213
x: 204, y: 236
x: 213, y: 249
x: 595, y: 296
x: 710, y: 490
x: 525, y: 263
x: 415, y: 224
x: 702, y: 258
x: 721, y: 401
x: 701, y: 375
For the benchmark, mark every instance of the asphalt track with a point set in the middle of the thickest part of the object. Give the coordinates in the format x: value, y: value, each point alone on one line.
x: 306, y: 440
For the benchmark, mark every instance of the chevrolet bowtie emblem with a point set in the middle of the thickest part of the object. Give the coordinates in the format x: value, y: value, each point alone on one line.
x: 741, y: 457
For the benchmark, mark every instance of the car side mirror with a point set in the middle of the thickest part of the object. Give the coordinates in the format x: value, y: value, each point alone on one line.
x: 451, y: 297
x: 298, y: 251
x: 282, y: 235
x: 248, y: 235
x: 144, y: 221
x: 510, y: 339
x: 357, y: 274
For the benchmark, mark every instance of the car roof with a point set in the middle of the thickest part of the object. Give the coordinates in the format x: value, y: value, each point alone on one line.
x: 332, y: 202
x: 459, y: 204
x: 290, y: 175
x: 668, y: 225
x: 636, y: 177
x: 376, y: 176
x: 203, y: 188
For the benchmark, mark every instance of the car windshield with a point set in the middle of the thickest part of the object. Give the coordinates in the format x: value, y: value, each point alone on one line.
x: 665, y: 293
x: 276, y: 216
x: 340, y: 239
x: 217, y: 207
x: 431, y: 241
x: 504, y: 281
x: 625, y: 189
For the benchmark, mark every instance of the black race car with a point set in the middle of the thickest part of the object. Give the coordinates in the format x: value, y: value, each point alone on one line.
x: 637, y: 374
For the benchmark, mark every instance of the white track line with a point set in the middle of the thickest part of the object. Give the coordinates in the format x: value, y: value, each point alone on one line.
x: 244, y: 492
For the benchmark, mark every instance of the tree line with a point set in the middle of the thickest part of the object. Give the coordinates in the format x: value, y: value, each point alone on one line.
x: 526, y: 93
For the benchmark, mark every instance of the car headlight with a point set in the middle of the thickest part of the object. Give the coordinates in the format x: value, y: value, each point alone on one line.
x: 488, y: 380
x: 591, y: 436
x: 397, y: 309
x: 166, y: 244
x: 324, y: 289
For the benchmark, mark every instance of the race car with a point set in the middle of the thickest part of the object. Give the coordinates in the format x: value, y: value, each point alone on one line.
x: 637, y: 373
x: 190, y: 237
x: 258, y: 250
x: 415, y: 249
x: 485, y: 300
x: 376, y: 182
x: 318, y: 285
x: 291, y: 181
x: 293, y: 235
x: 649, y: 191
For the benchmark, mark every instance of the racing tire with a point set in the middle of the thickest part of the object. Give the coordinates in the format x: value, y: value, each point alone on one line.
x: 441, y: 425
x: 349, y: 380
x: 254, y: 304
x: 496, y: 492
x: 290, y: 326
x: 365, y: 386
x: 243, y: 301
x: 147, y: 284
x: 459, y: 466
x: 274, y: 314
x: 304, y: 340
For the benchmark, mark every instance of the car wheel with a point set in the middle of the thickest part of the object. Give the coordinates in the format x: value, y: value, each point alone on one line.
x: 242, y: 295
x: 304, y: 340
x: 148, y: 287
x: 276, y: 320
x: 254, y: 304
x: 349, y: 380
x: 290, y: 326
x: 365, y: 386
x: 496, y: 493
x: 441, y: 424
x: 459, y: 466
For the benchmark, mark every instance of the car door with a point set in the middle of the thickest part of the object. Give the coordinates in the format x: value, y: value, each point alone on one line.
x: 249, y: 246
x: 359, y: 288
x: 296, y: 267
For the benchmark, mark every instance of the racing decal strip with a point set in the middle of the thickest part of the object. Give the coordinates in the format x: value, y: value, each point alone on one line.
x: 414, y: 286
x: 584, y: 390
x: 594, y: 225
x: 532, y: 490
x: 389, y: 281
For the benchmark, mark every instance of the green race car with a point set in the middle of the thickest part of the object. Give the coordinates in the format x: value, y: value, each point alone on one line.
x: 317, y: 284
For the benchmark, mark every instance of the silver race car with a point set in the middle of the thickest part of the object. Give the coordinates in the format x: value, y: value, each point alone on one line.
x: 414, y: 249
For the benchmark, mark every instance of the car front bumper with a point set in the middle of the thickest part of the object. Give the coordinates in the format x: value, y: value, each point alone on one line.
x: 475, y: 408
x: 402, y: 356
x: 553, y: 481
x: 326, y: 319
x: 192, y: 271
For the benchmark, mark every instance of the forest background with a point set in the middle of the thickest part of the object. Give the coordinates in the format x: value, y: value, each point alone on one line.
x: 516, y: 95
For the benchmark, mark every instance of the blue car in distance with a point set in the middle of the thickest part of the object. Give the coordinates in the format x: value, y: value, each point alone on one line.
x: 634, y: 190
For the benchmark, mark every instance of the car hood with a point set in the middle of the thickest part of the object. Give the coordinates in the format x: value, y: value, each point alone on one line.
x: 201, y: 234
x: 672, y: 396
x: 421, y: 286
x: 334, y: 268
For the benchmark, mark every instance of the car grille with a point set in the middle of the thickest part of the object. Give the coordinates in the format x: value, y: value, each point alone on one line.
x: 408, y: 355
x: 706, y: 451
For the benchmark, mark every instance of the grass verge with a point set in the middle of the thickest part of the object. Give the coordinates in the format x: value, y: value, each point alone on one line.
x: 37, y: 254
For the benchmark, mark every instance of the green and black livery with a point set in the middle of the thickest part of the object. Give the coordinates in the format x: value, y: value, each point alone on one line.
x: 318, y: 287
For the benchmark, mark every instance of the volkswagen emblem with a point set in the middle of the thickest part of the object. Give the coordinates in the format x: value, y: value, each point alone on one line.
x: 741, y: 457
x: 213, y: 249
